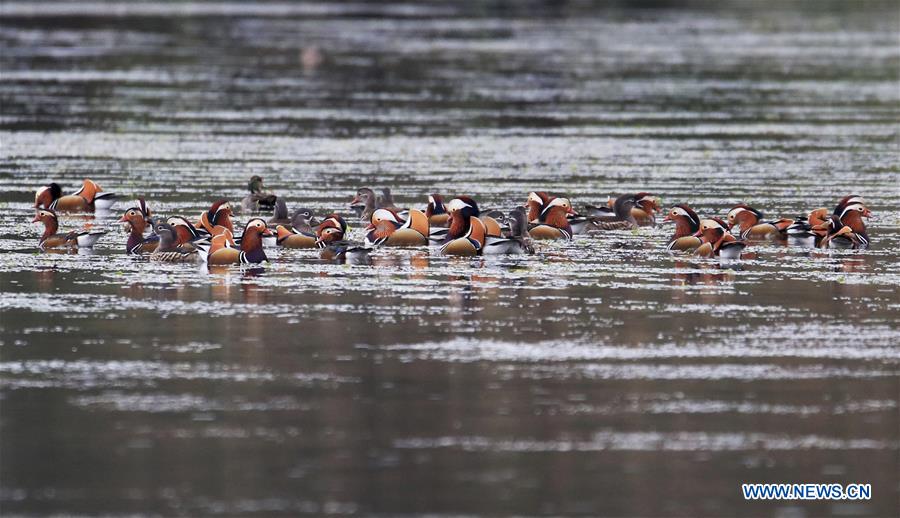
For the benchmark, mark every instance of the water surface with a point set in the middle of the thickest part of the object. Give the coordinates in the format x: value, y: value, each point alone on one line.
x: 600, y: 376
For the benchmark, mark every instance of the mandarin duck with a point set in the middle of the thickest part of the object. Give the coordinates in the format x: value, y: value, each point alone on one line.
x: 51, y: 239
x: 387, y: 228
x: 280, y: 214
x: 436, y: 212
x: 186, y: 233
x: 517, y: 240
x: 258, y: 199
x: 222, y: 248
x: 87, y: 199
x: 552, y: 222
x: 217, y: 218
x: 800, y: 233
x: 751, y: 224
x: 467, y: 234
x: 363, y: 204
x: 646, y: 205
x: 718, y: 241
x: 169, y: 251
x: 331, y: 234
x: 300, y: 234
x: 687, y: 228
x: 842, y: 236
x: 137, y: 219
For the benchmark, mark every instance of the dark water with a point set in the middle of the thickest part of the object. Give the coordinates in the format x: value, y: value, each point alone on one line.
x: 599, y: 377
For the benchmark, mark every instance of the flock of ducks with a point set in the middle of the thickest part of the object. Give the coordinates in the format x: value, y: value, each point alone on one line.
x: 458, y: 226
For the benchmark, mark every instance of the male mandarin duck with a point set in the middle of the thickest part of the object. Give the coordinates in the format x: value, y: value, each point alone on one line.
x: 538, y: 201
x: 436, y: 212
x: 645, y: 209
x: 186, y: 233
x: 169, y: 251
x: 218, y: 215
x: 749, y: 220
x: 331, y: 235
x: 552, y: 222
x: 535, y: 203
x: 222, y: 248
x: 718, y: 241
x: 800, y: 233
x: 687, y: 226
x: 840, y: 235
x: 388, y: 228
x: 52, y: 239
x: 467, y: 234
x: 138, y: 219
x: 300, y: 234
x: 849, y: 212
x: 258, y: 199
x: 87, y: 199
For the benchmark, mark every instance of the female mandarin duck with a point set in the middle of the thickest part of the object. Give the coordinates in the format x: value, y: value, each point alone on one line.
x: 749, y: 220
x: 222, y: 249
x: 218, y: 217
x: 467, y: 234
x: 436, y: 212
x: 331, y: 239
x: 388, y: 228
x: 364, y: 204
x: 552, y: 222
x: 718, y: 241
x: 87, y: 199
x: 137, y: 219
x: 300, y: 234
x: 168, y: 250
x: 517, y: 241
x: 258, y: 199
x: 52, y: 239
x: 643, y: 212
x: 687, y: 228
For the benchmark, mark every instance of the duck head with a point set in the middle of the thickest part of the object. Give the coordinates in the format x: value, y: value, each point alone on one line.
x: 852, y: 215
x: 255, y: 185
x: 461, y: 209
x: 45, y: 196
x: 365, y: 199
x: 49, y: 219
x: 518, y: 222
x: 535, y: 203
x: 744, y: 216
x: 647, y: 202
x: 712, y: 230
x: 384, y: 221
x: 435, y: 205
x: 136, y: 219
x: 848, y: 200
x: 687, y: 222
x: 219, y: 214
x: 185, y: 231
x: 332, y: 229
x: 303, y: 220
x: 622, y: 207
x: 556, y: 212
x: 386, y: 199
x: 253, y: 232
x: 168, y: 237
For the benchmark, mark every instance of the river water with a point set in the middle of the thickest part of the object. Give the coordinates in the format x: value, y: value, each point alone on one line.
x: 601, y: 376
